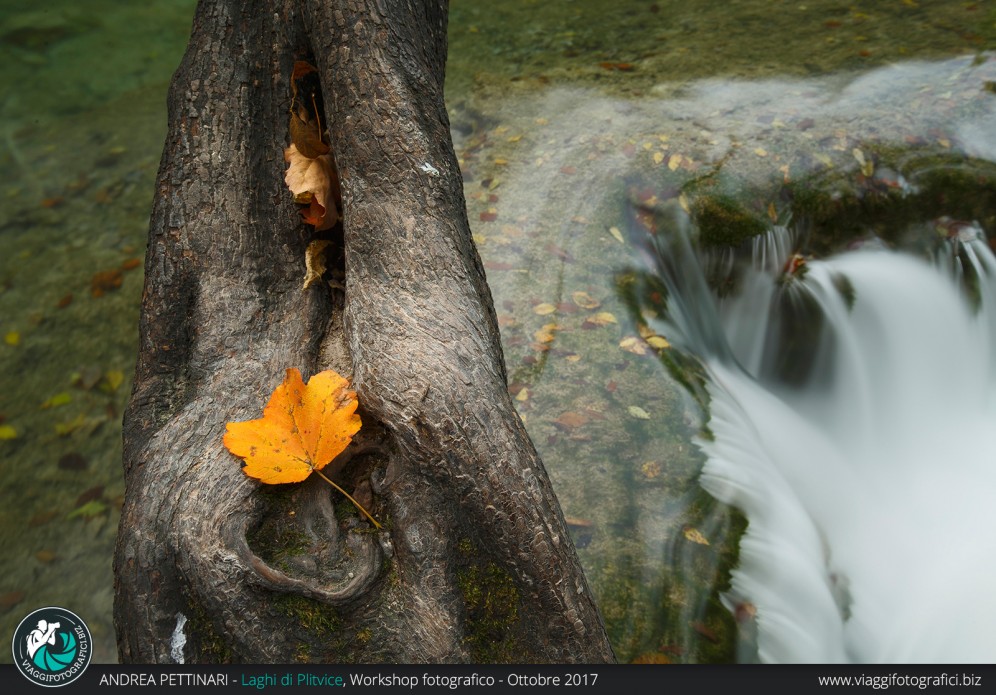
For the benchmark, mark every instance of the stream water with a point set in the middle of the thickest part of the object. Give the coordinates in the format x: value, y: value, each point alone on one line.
x: 864, y: 463
x: 684, y: 452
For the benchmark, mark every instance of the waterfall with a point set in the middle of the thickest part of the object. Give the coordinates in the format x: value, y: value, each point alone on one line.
x: 852, y: 412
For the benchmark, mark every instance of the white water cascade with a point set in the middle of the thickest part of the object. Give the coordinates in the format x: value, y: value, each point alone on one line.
x: 854, y: 422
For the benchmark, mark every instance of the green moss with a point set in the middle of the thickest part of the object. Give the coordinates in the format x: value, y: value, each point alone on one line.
x: 909, y: 187
x: 302, y: 653
x: 722, y: 221
x: 314, y: 616
x: 491, y: 601
x: 203, y: 640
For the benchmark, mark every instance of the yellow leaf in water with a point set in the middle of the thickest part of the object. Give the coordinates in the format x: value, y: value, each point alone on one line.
x: 674, y: 162
x: 546, y: 333
x: 585, y: 300
x: 825, y: 159
x: 544, y: 309
x: 634, y: 345
x: 867, y: 163
x: 12, y: 338
x: 515, y: 138
x: 651, y: 469
x: 602, y: 318
x: 500, y: 161
x: 89, y: 510
x: 57, y: 400
x: 760, y: 152
x: 658, y: 157
x: 659, y: 342
x: 617, y: 235
x: 638, y: 412
x: 64, y: 429
x: 522, y: 396
x: 683, y: 202
x: 695, y: 536
x: 112, y: 380
x: 7, y: 432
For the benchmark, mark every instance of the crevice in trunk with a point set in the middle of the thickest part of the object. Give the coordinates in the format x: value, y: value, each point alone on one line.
x: 474, y: 562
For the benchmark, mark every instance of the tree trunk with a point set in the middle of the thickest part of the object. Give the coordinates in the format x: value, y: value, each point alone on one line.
x: 475, y: 562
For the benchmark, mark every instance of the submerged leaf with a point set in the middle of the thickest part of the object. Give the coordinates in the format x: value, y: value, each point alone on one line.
x: 105, y: 281
x: 88, y: 510
x: 58, y: 399
x: 585, y: 300
x: 695, y: 536
x: 112, y: 380
x: 634, y: 345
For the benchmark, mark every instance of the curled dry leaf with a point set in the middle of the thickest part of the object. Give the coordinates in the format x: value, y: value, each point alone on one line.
x: 315, y: 183
x: 306, y: 130
x: 314, y: 262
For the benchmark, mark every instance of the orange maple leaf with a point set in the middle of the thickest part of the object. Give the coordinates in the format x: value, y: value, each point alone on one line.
x: 303, y: 428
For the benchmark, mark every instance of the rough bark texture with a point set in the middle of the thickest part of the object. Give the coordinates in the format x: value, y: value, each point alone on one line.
x: 475, y: 563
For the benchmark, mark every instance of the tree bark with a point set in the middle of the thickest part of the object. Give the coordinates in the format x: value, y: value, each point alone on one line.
x: 475, y: 562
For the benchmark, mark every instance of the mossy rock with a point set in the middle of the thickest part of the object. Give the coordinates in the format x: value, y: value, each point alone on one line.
x: 723, y: 221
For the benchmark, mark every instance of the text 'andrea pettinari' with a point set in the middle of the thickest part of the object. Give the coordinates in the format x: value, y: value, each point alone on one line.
x: 164, y: 679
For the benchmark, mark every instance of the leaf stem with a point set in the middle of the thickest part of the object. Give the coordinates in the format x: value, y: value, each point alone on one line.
x: 348, y: 497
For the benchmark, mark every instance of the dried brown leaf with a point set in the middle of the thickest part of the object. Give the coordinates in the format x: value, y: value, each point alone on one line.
x: 313, y: 181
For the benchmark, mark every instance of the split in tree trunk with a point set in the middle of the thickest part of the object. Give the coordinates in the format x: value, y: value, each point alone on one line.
x: 475, y: 563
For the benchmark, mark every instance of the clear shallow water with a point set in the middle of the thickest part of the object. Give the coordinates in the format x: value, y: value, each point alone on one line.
x: 82, y: 119
x: 570, y: 173
x: 563, y: 113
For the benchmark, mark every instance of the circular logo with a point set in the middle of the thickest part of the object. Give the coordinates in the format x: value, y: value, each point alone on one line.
x: 52, y: 647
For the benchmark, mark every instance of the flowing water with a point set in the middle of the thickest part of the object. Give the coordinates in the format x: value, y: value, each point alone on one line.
x: 865, y: 464
x: 673, y: 409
